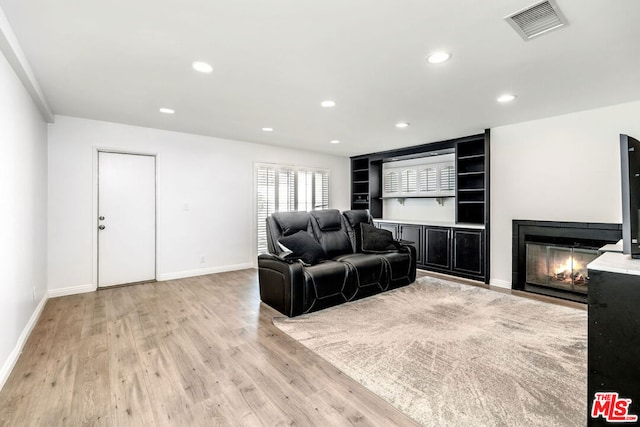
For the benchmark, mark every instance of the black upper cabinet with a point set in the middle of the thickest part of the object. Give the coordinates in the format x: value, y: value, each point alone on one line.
x: 472, y: 176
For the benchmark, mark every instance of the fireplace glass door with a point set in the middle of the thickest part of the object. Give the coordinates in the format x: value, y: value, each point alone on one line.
x: 560, y: 267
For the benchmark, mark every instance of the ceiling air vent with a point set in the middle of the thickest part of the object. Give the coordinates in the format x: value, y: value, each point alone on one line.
x: 537, y: 19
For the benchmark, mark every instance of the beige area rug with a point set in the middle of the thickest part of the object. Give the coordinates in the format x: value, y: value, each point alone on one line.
x: 449, y: 354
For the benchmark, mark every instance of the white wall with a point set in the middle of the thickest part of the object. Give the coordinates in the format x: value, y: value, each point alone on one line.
x: 564, y: 168
x: 23, y: 217
x: 419, y: 209
x: 214, y: 176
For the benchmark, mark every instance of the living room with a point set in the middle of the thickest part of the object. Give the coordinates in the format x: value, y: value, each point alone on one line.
x: 560, y: 162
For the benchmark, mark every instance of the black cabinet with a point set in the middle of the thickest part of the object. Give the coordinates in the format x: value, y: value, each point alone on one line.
x: 614, y: 340
x: 392, y: 227
x: 468, y: 251
x: 413, y: 233
x: 437, y: 250
x: 449, y: 250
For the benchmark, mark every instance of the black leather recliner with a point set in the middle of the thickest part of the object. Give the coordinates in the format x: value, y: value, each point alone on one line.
x: 349, y: 274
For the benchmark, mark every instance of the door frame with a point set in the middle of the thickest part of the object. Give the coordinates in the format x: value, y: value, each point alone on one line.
x: 95, y: 208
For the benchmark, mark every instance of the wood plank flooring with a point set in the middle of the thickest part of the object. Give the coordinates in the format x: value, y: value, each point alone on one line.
x: 192, y: 352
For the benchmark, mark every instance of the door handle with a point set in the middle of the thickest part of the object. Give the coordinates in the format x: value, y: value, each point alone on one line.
x: 101, y: 227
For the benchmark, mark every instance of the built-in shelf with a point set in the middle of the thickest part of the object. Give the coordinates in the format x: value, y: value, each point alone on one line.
x: 471, y: 180
x: 365, y: 188
x: 474, y: 156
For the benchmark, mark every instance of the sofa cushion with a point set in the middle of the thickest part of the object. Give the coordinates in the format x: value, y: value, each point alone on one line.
x: 292, y: 222
x: 303, y: 247
x: 354, y: 219
x: 376, y: 240
x: 328, y: 280
x: 366, y: 269
x: 328, y: 220
x: 329, y: 229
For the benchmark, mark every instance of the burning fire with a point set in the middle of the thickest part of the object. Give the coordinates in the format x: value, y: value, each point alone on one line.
x: 569, y: 270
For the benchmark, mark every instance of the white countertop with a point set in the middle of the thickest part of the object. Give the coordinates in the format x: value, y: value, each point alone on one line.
x: 616, y: 262
x: 612, y: 247
x: 432, y: 223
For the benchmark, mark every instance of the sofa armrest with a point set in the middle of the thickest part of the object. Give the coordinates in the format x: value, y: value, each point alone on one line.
x: 281, y: 284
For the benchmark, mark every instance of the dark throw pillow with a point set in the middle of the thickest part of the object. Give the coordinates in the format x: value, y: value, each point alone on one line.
x: 375, y: 239
x: 303, y: 247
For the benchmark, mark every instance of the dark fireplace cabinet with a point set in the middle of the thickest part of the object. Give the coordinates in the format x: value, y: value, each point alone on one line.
x: 460, y: 247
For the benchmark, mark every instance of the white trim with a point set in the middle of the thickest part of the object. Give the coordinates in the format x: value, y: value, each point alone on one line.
x: 22, y: 340
x: 11, y: 49
x: 500, y: 283
x: 72, y: 290
x: 204, y: 271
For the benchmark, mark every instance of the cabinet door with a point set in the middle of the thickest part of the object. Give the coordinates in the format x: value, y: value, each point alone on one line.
x: 393, y: 228
x: 467, y: 251
x: 437, y: 247
x: 413, y: 233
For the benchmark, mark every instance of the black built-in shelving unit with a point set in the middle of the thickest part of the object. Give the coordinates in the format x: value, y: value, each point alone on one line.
x: 472, y: 181
x: 366, y: 185
x: 472, y: 176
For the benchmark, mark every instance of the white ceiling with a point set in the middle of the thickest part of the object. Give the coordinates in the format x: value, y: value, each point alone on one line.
x: 275, y: 60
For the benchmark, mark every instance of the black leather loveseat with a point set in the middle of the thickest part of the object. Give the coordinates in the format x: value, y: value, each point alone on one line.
x: 345, y: 271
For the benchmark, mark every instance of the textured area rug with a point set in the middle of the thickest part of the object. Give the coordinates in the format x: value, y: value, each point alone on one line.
x: 449, y: 354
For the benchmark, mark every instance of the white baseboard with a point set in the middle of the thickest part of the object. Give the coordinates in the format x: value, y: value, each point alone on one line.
x: 500, y: 283
x: 62, y: 292
x: 204, y: 271
x: 15, y: 354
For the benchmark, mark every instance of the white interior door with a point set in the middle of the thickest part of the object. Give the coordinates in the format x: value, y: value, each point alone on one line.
x: 126, y: 218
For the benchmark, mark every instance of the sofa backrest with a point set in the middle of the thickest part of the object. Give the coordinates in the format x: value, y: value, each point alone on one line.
x: 353, y: 220
x: 330, y: 230
x: 281, y: 224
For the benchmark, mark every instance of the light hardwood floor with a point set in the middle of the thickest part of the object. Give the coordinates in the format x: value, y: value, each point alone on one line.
x: 189, y: 352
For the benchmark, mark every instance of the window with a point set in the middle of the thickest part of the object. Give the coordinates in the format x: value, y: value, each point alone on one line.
x: 286, y: 189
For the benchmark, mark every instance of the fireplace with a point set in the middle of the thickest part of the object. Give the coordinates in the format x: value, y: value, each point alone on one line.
x: 551, y: 257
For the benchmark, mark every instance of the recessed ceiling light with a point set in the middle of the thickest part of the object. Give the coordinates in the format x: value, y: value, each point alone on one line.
x: 167, y: 110
x: 402, y: 125
x: 438, y: 57
x: 335, y: 141
x: 203, y: 67
x: 507, y: 97
x: 328, y: 103
x: 267, y: 129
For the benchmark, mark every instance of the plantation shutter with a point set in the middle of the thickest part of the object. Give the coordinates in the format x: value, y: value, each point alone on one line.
x: 266, y: 203
x: 447, y: 178
x: 286, y: 189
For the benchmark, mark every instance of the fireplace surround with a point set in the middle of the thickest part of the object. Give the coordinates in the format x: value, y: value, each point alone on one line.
x: 558, y: 253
